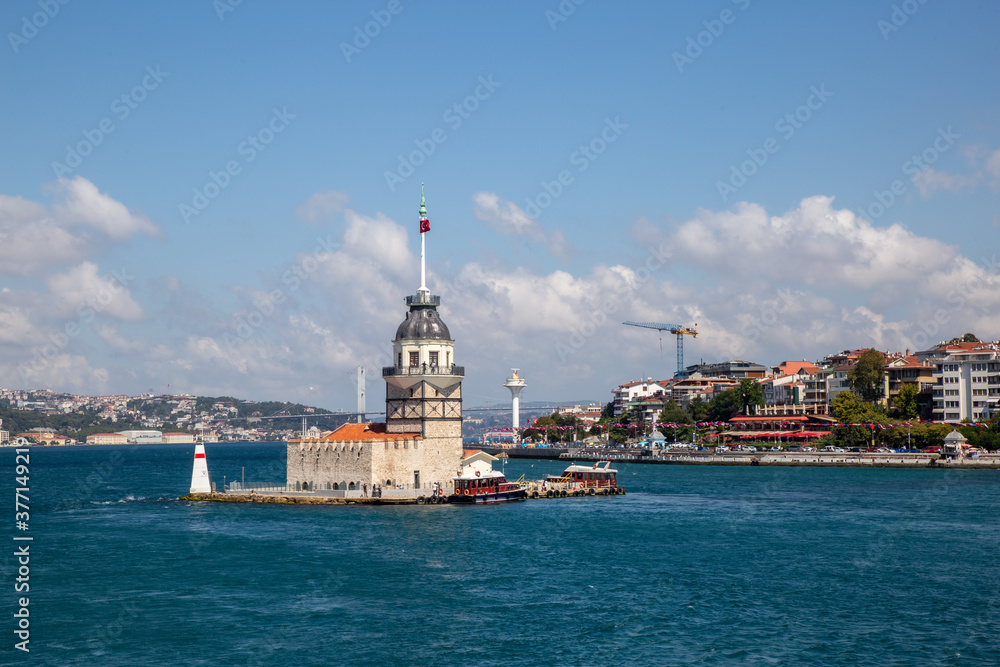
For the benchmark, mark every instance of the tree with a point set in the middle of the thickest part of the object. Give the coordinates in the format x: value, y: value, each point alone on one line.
x: 970, y: 338
x: 725, y: 406
x: 866, y: 378
x: 905, y: 402
x: 673, y: 414
x: 852, y: 411
x: 751, y: 395
x: 698, y: 409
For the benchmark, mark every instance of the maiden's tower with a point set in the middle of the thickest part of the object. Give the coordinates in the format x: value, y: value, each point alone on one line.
x: 420, y: 444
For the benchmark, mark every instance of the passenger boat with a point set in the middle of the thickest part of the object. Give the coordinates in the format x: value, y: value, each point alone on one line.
x: 478, y: 482
x: 583, y: 477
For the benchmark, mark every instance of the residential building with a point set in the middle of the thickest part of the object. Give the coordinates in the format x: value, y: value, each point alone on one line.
x: 631, y: 391
x: 727, y: 369
x: 967, y: 383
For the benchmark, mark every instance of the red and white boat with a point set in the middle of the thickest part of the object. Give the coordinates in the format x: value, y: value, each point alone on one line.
x: 478, y: 482
x: 584, y: 477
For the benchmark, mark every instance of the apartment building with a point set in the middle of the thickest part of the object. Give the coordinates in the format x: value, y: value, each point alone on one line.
x: 967, y: 383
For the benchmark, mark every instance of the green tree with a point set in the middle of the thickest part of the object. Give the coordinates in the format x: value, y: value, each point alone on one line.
x: 970, y: 338
x: 751, y: 395
x: 698, y: 409
x: 673, y: 414
x: 905, y: 402
x: 725, y: 406
x: 866, y: 378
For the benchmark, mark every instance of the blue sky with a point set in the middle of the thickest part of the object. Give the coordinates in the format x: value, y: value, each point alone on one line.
x: 643, y: 109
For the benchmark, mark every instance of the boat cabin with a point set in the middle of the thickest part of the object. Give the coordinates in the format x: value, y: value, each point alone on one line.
x: 583, y: 476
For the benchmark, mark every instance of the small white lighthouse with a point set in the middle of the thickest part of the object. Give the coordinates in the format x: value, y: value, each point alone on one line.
x: 199, y: 474
x: 515, y: 384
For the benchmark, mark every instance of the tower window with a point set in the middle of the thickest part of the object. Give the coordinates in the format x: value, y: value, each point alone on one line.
x: 399, y: 360
x: 434, y: 359
x: 447, y: 358
x: 414, y: 358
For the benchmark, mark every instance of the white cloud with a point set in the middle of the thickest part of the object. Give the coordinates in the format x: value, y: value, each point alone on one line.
x: 79, y: 202
x: 81, y: 287
x: 509, y: 219
x: 929, y: 180
x: 814, y: 244
x: 505, y: 217
x: 35, y: 238
x: 322, y: 206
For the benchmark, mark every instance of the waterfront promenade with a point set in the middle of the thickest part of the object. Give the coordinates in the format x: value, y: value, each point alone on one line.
x: 766, y: 458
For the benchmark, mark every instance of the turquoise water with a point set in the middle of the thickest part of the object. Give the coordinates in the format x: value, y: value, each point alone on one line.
x: 697, y: 565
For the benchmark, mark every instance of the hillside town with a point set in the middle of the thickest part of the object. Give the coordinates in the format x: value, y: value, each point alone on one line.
x: 65, y: 419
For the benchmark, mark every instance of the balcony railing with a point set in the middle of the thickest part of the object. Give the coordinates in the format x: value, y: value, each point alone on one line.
x: 423, y: 369
x: 423, y: 299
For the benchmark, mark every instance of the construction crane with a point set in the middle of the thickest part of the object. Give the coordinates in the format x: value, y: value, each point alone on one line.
x: 677, y: 329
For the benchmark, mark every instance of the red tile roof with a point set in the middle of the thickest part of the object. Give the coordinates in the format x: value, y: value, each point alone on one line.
x: 793, y: 367
x: 366, y: 431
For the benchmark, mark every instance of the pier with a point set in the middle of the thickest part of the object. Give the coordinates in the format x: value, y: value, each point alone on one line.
x: 536, y: 491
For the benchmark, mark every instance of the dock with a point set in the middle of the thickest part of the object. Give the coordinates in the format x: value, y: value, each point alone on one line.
x: 536, y: 491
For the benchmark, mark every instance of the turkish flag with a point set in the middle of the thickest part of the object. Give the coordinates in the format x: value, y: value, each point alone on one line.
x: 425, y: 226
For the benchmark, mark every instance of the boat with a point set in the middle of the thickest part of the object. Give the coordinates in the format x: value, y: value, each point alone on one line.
x: 584, y: 478
x: 478, y: 482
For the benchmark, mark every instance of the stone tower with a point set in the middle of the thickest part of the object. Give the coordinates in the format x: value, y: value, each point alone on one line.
x: 423, y: 392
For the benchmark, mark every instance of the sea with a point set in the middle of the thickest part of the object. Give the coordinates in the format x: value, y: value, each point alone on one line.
x: 696, y: 565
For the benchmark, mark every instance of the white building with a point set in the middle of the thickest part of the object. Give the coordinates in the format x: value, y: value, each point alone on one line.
x: 967, y: 384
x: 143, y: 437
x: 631, y: 391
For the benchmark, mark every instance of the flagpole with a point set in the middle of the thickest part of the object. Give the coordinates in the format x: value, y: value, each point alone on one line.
x: 423, y: 243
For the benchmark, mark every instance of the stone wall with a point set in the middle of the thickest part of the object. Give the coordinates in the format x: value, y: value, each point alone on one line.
x: 370, y: 462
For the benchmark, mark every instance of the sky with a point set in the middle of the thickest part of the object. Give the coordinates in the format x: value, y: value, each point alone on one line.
x: 220, y: 198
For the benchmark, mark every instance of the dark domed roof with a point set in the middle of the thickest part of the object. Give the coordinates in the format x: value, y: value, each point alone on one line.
x: 423, y: 324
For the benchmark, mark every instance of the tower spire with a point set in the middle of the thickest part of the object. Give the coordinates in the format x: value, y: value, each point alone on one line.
x: 424, y: 227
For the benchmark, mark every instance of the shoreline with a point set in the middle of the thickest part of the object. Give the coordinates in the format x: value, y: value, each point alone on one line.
x: 782, y: 459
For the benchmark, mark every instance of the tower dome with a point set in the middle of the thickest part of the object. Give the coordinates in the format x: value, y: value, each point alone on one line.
x: 423, y: 322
